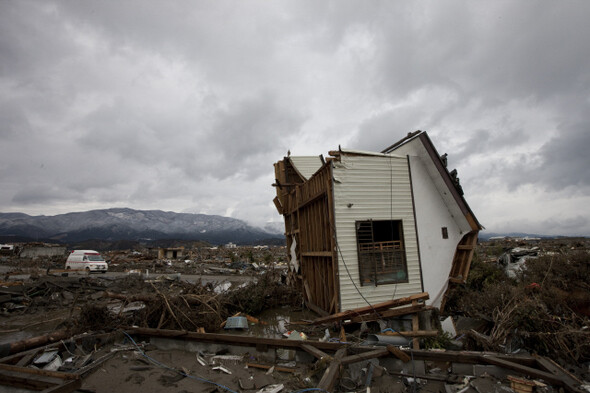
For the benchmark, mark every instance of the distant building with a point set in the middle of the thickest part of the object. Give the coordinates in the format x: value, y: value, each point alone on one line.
x: 6, y: 249
x: 230, y: 245
x: 171, y: 253
x: 40, y: 250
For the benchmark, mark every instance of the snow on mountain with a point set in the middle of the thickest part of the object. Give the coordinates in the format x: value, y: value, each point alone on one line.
x: 124, y: 223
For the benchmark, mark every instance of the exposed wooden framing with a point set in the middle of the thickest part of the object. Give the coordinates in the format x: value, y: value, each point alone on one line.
x: 315, y: 308
x: 463, y: 257
x: 327, y: 254
x: 307, y: 218
x: 278, y: 205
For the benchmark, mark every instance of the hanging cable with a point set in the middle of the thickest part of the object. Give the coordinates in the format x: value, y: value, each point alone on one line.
x: 154, y: 361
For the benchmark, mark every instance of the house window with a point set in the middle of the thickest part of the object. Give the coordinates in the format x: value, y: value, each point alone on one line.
x: 381, y: 252
x: 445, y: 233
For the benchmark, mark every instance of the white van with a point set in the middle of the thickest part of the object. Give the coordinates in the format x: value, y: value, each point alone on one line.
x: 89, y: 260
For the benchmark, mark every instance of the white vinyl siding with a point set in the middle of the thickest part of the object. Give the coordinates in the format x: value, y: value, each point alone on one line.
x: 372, y: 188
x: 306, y: 165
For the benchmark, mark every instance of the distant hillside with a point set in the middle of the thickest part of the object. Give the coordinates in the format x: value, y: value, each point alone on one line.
x: 128, y: 224
x: 484, y: 236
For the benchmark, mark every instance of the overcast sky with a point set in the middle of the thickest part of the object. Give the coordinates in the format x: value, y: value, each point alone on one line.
x: 185, y: 105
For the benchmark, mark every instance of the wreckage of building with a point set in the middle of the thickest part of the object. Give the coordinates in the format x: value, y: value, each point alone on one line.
x: 364, y: 227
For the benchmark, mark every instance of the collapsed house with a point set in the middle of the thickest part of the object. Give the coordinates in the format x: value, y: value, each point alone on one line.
x: 42, y: 250
x: 364, y: 227
x: 171, y: 253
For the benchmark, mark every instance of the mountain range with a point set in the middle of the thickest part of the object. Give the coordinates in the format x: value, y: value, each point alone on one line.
x: 129, y: 224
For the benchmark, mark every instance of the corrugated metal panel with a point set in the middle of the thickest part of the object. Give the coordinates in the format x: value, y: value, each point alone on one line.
x: 378, y: 188
x: 306, y: 165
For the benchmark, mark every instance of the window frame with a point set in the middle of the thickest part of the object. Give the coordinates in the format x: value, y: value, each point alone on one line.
x: 390, y: 252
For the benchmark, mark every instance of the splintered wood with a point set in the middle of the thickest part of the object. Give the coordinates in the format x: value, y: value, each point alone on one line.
x: 378, y: 311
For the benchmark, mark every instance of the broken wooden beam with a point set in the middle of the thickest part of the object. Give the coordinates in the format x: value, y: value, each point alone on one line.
x: 33, y: 342
x: 276, y: 368
x: 416, y: 333
x: 27, y: 381
x: 232, y: 339
x: 398, y: 353
x: 376, y: 308
x: 531, y: 372
x: 66, y: 387
x: 377, y: 353
x: 396, y: 312
x: 36, y: 371
x: 317, y: 353
x: 332, y: 373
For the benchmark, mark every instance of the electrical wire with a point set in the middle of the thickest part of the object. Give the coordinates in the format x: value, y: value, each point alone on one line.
x: 352, y: 280
x: 154, y: 361
x: 160, y: 364
x: 391, y: 209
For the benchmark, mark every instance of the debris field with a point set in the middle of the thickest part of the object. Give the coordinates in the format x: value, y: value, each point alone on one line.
x: 69, y: 331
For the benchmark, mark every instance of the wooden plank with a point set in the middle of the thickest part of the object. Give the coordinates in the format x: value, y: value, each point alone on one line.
x: 317, y: 353
x: 528, y: 371
x: 415, y: 328
x: 84, y: 371
x: 369, y: 309
x: 401, y: 355
x: 471, y: 357
x: 36, y: 371
x: 396, y: 312
x: 327, y: 254
x: 231, y: 339
x: 332, y: 372
x: 315, y: 308
x: 278, y: 205
x: 27, y: 381
x: 66, y: 387
x: 267, y: 367
x: 413, y: 333
x: 570, y: 380
x: 377, y: 353
x: 25, y: 360
x: 465, y: 247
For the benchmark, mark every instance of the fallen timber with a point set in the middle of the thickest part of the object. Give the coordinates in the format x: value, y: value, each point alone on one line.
x: 533, y: 367
x: 335, y: 355
x: 375, y: 309
x: 14, y: 373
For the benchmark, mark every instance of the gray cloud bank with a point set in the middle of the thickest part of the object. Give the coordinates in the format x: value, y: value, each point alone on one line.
x: 184, y: 105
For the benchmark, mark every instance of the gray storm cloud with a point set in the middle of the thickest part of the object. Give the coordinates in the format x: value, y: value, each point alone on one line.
x: 185, y: 106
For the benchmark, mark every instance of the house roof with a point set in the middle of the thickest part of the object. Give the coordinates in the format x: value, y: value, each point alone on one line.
x: 439, y: 167
x: 306, y: 166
